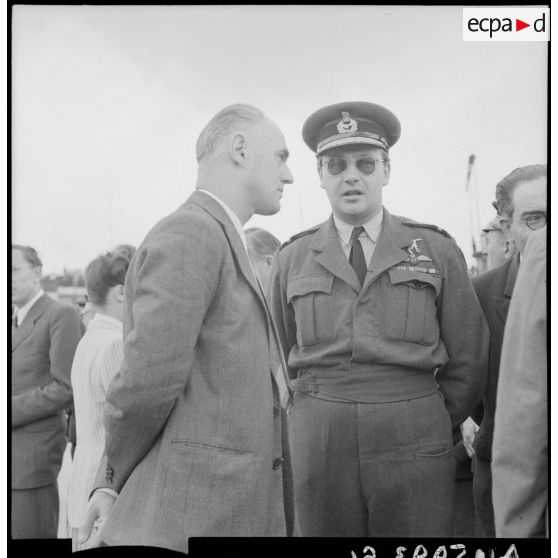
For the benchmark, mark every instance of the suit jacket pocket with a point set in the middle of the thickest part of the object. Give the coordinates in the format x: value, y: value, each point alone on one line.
x: 313, y: 306
x: 206, y: 446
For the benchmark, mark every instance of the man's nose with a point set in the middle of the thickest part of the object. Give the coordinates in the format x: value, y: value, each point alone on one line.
x: 351, y: 172
x: 288, y: 177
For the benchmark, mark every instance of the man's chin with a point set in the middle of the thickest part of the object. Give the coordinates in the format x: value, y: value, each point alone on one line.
x: 268, y: 210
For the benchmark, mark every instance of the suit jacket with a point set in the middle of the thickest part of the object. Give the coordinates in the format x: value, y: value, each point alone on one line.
x: 494, y: 290
x: 43, y: 348
x: 520, y: 462
x: 194, y: 438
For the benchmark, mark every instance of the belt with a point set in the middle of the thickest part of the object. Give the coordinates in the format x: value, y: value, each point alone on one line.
x: 369, y: 385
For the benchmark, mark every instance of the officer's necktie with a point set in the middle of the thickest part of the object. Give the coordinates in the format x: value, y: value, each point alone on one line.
x: 356, y: 257
x: 14, y: 321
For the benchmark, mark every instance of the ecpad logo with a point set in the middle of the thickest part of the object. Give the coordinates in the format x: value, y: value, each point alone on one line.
x: 506, y: 24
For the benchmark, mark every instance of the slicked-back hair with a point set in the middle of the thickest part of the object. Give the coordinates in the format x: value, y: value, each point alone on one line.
x: 29, y: 255
x: 261, y: 242
x: 506, y: 186
x: 225, y: 122
x: 107, y: 271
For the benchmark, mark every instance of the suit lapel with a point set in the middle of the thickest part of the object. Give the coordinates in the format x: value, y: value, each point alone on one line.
x: 241, y: 256
x: 502, y: 298
x: 21, y: 333
x: 331, y: 255
x: 237, y: 248
x: 391, y: 248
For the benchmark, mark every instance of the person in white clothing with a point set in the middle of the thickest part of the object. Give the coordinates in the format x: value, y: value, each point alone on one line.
x: 97, y: 360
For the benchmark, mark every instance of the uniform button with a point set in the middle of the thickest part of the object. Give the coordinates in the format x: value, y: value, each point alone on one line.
x: 277, y: 463
x: 275, y: 411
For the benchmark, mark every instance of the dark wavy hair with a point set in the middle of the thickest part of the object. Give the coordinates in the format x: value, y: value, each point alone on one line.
x: 29, y: 255
x: 506, y: 186
x: 107, y: 271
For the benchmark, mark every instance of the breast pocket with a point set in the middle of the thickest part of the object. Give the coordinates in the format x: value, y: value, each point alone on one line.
x: 313, y: 307
x: 411, y: 307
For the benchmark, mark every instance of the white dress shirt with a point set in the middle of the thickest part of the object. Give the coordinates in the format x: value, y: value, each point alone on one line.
x: 24, y: 310
x: 368, y: 238
x: 97, y: 359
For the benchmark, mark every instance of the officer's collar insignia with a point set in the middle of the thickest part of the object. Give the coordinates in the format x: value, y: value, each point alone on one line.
x: 347, y: 124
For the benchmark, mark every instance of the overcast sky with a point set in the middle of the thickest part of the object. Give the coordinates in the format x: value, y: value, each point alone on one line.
x: 108, y: 102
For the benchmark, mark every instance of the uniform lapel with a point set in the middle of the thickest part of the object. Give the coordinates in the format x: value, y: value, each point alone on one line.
x: 331, y: 255
x: 21, y: 333
x: 391, y: 248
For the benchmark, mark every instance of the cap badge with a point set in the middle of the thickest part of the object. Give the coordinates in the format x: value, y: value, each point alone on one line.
x: 346, y: 124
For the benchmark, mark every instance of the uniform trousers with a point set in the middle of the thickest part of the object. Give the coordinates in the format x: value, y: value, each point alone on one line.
x: 35, y: 512
x: 372, y: 469
x: 482, y: 493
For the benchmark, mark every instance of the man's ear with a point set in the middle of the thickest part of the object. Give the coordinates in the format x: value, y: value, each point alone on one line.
x: 119, y: 293
x: 238, y: 149
x: 387, y: 170
x: 505, y: 224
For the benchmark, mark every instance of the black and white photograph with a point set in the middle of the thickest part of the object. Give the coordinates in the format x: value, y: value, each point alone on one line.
x: 279, y: 272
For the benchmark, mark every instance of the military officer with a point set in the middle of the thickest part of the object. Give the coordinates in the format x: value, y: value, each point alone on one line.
x: 386, y: 345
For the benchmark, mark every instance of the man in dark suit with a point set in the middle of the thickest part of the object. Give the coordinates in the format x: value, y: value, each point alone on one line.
x: 45, y: 334
x: 521, y: 204
x: 196, y: 417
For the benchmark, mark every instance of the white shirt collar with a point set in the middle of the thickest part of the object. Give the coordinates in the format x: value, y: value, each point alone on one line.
x: 372, y: 227
x: 232, y: 216
x: 98, y: 317
x: 24, y: 310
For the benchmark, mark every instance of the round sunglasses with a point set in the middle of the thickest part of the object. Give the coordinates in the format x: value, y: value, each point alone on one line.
x: 366, y: 165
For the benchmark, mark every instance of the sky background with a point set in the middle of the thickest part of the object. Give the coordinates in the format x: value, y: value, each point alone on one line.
x: 108, y: 101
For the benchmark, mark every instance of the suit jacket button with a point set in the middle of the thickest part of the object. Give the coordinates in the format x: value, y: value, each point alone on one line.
x: 275, y: 411
x: 277, y: 463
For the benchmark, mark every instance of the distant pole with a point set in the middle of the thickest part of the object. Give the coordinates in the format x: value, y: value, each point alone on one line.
x: 470, y: 164
x: 474, y: 214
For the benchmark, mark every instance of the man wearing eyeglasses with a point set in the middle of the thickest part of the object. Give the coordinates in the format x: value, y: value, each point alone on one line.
x: 521, y: 206
x: 386, y: 345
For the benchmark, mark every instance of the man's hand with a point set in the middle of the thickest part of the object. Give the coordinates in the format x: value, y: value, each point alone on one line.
x: 468, y: 430
x: 98, y: 508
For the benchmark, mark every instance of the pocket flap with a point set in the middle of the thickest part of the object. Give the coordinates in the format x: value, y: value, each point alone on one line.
x: 304, y: 285
x: 415, y: 279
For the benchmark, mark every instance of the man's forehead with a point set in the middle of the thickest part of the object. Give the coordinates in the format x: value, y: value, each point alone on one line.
x: 530, y: 195
x: 361, y: 150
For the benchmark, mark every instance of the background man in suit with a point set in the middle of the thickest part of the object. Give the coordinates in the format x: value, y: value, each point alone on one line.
x: 498, y: 247
x: 520, y: 462
x: 45, y: 334
x: 386, y: 345
x: 195, y: 419
x: 521, y: 204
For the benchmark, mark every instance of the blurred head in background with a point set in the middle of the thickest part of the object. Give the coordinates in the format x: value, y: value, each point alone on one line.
x: 521, y: 203
x: 27, y: 270
x: 262, y: 245
x: 104, y: 280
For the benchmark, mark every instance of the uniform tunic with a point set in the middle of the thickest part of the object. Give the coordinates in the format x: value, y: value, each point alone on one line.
x: 381, y: 375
